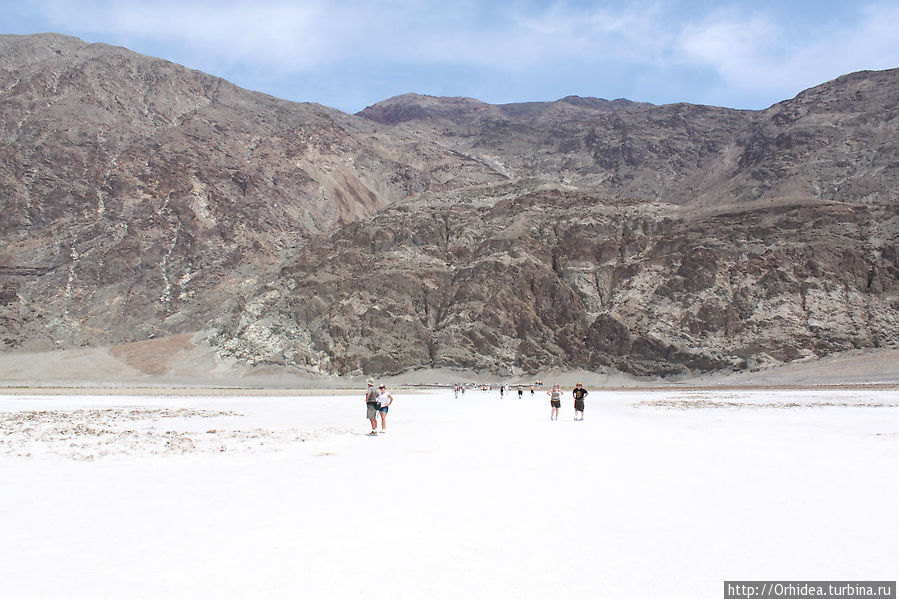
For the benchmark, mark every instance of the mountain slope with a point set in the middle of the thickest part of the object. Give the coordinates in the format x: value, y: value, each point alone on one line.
x: 140, y: 197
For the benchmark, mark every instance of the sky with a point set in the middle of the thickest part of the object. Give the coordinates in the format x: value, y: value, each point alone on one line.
x: 351, y: 54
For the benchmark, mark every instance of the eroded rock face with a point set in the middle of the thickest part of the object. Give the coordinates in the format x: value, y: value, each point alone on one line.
x: 518, y: 278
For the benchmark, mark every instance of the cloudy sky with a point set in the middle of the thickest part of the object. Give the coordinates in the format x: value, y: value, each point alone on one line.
x: 349, y: 54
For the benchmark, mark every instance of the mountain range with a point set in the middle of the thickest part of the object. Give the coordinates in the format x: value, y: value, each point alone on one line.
x: 142, y: 199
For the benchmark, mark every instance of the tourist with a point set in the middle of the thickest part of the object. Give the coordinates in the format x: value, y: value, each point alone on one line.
x: 579, y: 394
x: 371, y: 406
x: 555, y: 401
x: 384, y: 401
x: 520, y: 392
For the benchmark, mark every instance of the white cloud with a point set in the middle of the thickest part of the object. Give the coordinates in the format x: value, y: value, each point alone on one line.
x: 268, y: 33
x: 290, y: 37
x: 741, y: 51
x: 757, y: 52
x: 600, y: 34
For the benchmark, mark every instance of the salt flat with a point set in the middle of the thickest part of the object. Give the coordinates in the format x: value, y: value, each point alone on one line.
x: 655, y: 493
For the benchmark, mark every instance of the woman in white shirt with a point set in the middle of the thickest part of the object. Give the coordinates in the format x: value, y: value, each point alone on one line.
x: 386, y: 399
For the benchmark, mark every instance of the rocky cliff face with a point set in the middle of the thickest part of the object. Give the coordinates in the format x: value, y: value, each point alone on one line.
x: 519, y: 277
x: 142, y: 199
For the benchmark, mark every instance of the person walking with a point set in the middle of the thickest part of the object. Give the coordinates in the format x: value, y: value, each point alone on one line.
x: 579, y: 394
x: 555, y: 401
x: 372, y: 406
x: 520, y: 392
x: 384, y: 401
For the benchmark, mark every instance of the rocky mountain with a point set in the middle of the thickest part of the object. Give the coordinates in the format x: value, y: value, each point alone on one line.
x: 837, y: 142
x: 526, y: 276
x: 142, y: 199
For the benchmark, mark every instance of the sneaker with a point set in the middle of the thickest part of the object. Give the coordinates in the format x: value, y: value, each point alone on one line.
x: 373, y: 434
x: 383, y: 432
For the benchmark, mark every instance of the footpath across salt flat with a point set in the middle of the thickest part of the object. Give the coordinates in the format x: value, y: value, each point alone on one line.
x: 653, y: 494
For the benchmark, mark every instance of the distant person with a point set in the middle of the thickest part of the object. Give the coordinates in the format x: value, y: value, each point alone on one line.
x: 532, y: 391
x: 456, y: 391
x: 520, y: 392
x: 501, y: 389
x: 371, y: 406
x: 579, y: 394
x: 555, y: 401
x: 384, y: 401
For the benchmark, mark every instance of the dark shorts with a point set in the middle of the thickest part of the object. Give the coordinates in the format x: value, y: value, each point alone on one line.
x: 556, y: 403
x: 578, y: 405
x: 383, y: 409
x: 371, y: 410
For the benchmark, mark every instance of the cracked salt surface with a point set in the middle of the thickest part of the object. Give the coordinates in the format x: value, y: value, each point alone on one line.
x: 92, y: 433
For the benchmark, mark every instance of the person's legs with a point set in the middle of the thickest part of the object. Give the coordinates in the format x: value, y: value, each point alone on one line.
x: 383, y: 420
x: 372, y: 414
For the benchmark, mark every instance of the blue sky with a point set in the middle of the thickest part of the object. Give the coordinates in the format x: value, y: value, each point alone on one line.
x: 351, y: 54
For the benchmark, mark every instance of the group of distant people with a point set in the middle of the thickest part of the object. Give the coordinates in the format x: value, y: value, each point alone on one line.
x: 555, y: 398
x: 378, y: 400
